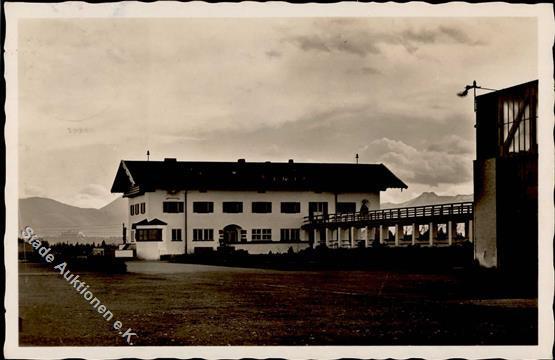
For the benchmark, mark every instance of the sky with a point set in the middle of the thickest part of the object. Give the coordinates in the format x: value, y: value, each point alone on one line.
x: 95, y: 91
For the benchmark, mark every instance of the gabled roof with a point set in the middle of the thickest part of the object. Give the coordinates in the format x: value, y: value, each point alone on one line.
x: 140, y: 176
x: 146, y: 222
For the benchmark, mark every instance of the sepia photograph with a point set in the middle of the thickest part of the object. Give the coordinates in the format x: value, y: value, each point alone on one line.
x: 279, y: 180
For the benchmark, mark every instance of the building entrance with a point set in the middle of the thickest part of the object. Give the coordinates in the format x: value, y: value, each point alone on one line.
x: 232, y: 234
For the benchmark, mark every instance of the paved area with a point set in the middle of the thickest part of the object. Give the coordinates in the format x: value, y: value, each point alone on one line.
x: 183, y: 304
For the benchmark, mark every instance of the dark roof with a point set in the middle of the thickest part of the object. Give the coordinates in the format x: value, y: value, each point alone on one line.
x: 134, y: 177
x: 509, y: 90
x: 146, y: 222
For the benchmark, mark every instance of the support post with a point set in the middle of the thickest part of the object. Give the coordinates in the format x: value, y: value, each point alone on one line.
x: 414, y: 232
x: 381, y: 234
x: 396, y: 235
x: 367, y: 240
x: 328, y: 237
x: 315, y: 238
x: 450, y: 232
x: 431, y: 233
x: 352, y: 236
x: 470, y: 231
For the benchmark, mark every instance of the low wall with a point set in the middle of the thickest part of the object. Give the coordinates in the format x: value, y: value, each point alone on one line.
x: 124, y: 253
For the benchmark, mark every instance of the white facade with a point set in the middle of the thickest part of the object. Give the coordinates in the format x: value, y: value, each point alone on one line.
x: 245, y: 222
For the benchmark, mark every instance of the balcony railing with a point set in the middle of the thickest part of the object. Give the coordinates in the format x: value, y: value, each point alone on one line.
x: 415, y: 212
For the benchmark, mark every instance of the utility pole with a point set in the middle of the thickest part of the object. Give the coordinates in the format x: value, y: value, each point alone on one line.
x: 147, y: 155
x: 356, y: 158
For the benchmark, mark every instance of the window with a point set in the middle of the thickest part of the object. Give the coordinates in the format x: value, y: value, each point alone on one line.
x: 203, y: 207
x: 232, y: 207
x: 149, y: 235
x: 176, y: 234
x: 261, y: 234
x: 203, y: 234
x: 261, y: 207
x: 137, y: 209
x: 133, y: 236
x: 172, y: 206
x: 290, y: 207
x: 516, y: 125
x: 318, y: 207
x: 290, y: 234
x: 345, y: 207
x: 143, y: 208
x: 132, y: 210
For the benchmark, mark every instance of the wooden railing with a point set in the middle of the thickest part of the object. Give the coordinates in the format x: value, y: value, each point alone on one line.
x: 415, y: 212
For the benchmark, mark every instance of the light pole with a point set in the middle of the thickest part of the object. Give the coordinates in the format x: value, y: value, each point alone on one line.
x: 474, y: 86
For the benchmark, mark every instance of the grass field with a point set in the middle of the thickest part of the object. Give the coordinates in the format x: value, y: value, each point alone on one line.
x: 184, y: 304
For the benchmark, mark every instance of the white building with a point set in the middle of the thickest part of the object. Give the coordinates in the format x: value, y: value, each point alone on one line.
x: 186, y: 207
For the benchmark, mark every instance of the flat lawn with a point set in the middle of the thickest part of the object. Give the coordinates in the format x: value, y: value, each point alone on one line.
x: 183, y: 304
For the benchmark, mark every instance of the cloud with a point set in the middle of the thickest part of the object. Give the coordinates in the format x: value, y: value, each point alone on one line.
x: 310, y: 42
x: 441, y: 34
x: 273, y: 54
x: 30, y: 190
x: 421, y: 36
x: 354, y: 44
x: 364, y: 70
x: 420, y: 166
x: 362, y: 42
x: 458, y: 35
x: 94, y: 190
x: 452, y: 144
x: 345, y: 129
x: 369, y: 70
x: 90, y: 196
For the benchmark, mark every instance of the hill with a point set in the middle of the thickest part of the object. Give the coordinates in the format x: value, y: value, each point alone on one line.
x: 429, y: 198
x: 52, y: 218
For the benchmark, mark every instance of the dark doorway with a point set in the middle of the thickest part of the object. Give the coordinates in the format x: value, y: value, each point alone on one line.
x: 232, y: 234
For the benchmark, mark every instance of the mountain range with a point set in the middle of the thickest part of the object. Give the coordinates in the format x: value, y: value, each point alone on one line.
x: 429, y: 198
x: 51, y: 218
